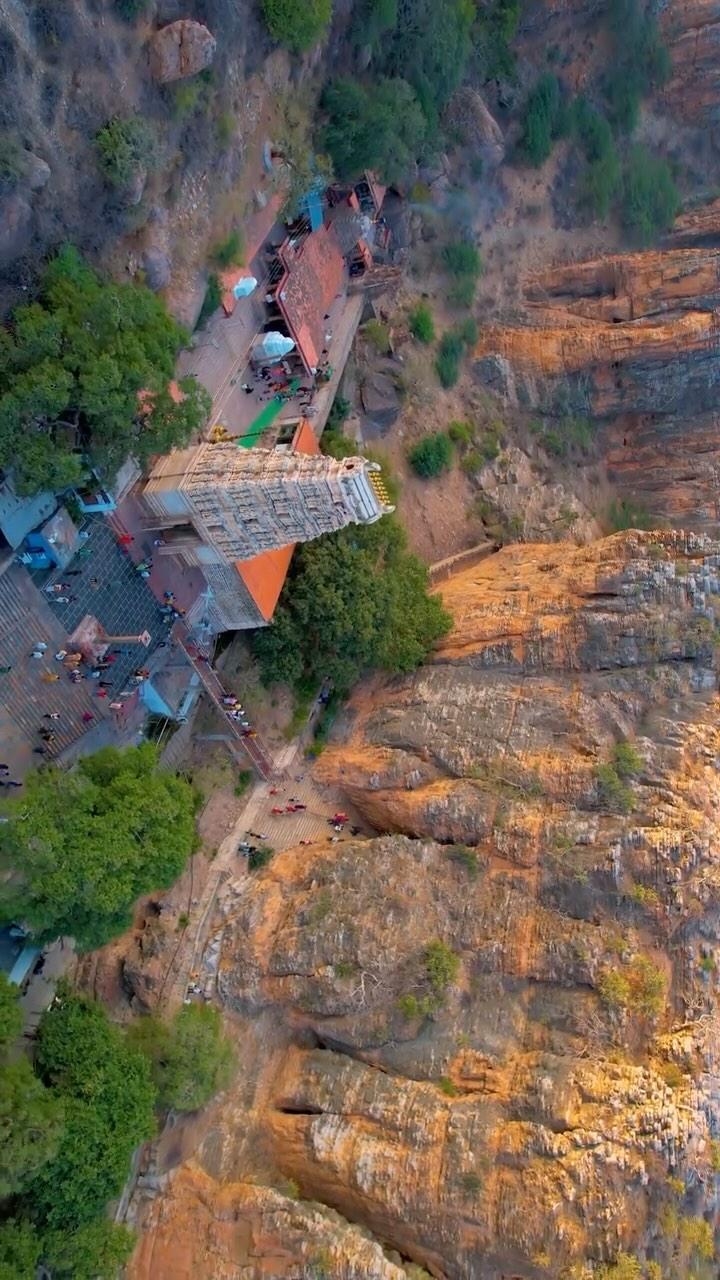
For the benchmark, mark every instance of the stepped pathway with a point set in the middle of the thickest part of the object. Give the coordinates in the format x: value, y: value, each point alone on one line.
x: 254, y: 748
x: 27, y: 619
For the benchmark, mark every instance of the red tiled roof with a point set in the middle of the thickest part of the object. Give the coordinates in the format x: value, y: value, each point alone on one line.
x: 264, y: 577
x: 305, y: 440
x: 308, y: 289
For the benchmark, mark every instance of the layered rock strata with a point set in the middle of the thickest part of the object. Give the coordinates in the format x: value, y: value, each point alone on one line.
x: 633, y: 342
x: 502, y: 1013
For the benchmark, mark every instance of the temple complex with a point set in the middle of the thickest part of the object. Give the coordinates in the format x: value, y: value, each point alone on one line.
x: 240, y: 502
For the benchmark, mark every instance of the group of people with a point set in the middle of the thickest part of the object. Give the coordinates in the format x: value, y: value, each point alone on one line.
x: 73, y: 662
x: 235, y: 710
x: 170, y: 607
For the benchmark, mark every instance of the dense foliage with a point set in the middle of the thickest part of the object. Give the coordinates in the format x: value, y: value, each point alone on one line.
x: 354, y: 600
x: 72, y: 365
x: 640, y: 60
x: 601, y: 179
x: 415, y: 53
x: 67, y: 1131
x: 83, y: 846
x: 544, y: 119
x: 650, y: 197
x: 453, y: 345
x: 109, y: 1104
x: 125, y: 146
x: 495, y: 26
x: 422, y: 325
x: 431, y: 455
x: 299, y: 26
x: 378, y: 126
x: 10, y: 1015
x: 191, y: 1058
x: 30, y: 1125
x: 429, y: 46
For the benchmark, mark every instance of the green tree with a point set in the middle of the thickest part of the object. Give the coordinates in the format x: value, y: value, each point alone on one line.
x: 371, y: 20
x: 625, y: 1267
x: 542, y: 120
x: 109, y: 1104
x: 640, y: 60
x: 431, y: 455
x: 95, y: 1251
x: 422, y: 325
x: 85, y: 845
x: 354, y: 600
x: 19, y: 1250
x: 229, y: 251
x: 11, y: 1018
x: 462, y: 258
x: 613, y: 792
x: 299, y: 26
x: 191, y: 1057
x: 449, y: 357
x: 429, y: 47
x: 441, y: 965
x: 31, y: 1121
x: 627, y: 760
x: 495, y: 27
x: 125, y: 146
x: 72, y: 366
x: 650, y: 197
x: 380, y: 126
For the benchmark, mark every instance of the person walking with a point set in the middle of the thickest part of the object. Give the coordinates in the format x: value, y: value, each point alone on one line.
x: 51, y: 715
x: 87, y: 717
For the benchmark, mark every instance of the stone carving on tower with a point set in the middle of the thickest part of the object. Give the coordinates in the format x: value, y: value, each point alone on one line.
x: 241, y: 502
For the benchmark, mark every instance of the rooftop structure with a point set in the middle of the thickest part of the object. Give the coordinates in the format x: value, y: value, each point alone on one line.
x: 238, y: 503
x: 313, y: 273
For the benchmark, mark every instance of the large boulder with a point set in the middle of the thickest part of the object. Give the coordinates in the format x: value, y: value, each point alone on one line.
x: 181, y: 49
x: 37, y: 171
x: 477, y: 127
x: 380, y: 399
x: 157, y: 268
x: 15, y: 226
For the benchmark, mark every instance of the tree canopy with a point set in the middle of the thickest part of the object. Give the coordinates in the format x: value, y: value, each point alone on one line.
x: 299, y: 26
x: 354, y: 600
x: 191, y: 1058
x: 10, y: 1013
x: 378, y: 126
x: 67, y: 1130
x: 19, y: 1250
x: 650, y: 197
x: 84, y: 845
x: 109, y: 1108
x: 72, y: 365
x: 429, y: 46
x: 30, y: 1125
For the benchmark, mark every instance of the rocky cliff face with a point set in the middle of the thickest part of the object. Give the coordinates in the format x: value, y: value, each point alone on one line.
x: 631, y: 341
x: 504, y: 1039
x: 691, y: 29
